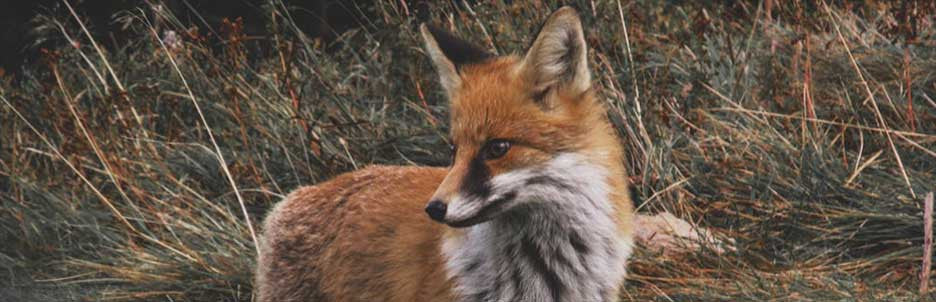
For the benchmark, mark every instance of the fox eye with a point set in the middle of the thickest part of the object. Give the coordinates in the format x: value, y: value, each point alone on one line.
x: 495, y: 149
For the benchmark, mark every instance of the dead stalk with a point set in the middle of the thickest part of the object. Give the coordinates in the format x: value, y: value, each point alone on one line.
x: 217, y: 149
x: 927, y: 245
x: 104, y: 199
x: 867, y: 88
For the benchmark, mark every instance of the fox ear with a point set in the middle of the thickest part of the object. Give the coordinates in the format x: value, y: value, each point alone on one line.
x: 448, y: 54
x: 557, y: 60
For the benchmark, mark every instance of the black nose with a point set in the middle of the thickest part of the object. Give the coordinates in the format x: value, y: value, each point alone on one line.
x: 436, y: 210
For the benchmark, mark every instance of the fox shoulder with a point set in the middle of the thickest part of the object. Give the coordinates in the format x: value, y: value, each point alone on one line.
x: 304, y: 234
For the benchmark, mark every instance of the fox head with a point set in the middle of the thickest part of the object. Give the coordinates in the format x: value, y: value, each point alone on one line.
x: 524, y: 129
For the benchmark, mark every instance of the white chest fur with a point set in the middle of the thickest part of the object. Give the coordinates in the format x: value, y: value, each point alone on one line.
x: 560, y: 243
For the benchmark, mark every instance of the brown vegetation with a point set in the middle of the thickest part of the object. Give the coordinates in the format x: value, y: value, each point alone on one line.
x: 804, y: 132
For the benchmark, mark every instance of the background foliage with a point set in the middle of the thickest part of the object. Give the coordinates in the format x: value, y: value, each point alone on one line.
x: 804, y: 132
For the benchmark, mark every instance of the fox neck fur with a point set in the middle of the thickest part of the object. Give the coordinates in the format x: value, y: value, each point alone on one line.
x: 563, y: 244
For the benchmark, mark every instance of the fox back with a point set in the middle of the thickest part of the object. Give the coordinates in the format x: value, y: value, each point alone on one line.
x: 534, y: 206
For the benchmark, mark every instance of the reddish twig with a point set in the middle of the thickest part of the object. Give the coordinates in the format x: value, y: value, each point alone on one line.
x: 422, y: 98
x: 911, y: 115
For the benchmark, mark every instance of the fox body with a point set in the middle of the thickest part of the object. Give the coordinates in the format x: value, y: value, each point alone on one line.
x: 534, y: 207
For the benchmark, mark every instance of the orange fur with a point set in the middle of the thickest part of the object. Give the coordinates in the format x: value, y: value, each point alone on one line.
x: 354, y: 238
x: 364, y: 236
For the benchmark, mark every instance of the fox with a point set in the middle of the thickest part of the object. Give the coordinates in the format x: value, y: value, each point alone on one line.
x: 534, y: 206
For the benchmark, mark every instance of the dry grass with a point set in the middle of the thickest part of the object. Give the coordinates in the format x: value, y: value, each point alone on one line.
x: 806, y: 133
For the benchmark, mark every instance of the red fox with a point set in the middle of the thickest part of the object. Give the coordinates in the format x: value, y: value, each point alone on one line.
x: 534, y: 207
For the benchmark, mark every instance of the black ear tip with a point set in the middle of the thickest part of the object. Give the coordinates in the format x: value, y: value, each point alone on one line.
x: 435, y: 30
x: 441, y: 34
x: 437, y: 33
x: 459, y: 51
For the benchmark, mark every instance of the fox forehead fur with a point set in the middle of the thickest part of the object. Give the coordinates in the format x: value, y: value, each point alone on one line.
x: 493, y: 101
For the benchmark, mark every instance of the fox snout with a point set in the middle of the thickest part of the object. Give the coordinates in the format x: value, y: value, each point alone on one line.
x: 445, y: 201
x: 436, y: 210
x: 469, y: 194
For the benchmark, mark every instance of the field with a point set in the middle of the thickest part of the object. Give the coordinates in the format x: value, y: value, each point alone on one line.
x: 804, y: 132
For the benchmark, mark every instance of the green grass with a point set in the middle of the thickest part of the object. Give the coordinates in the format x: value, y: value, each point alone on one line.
x: 808, y: 135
